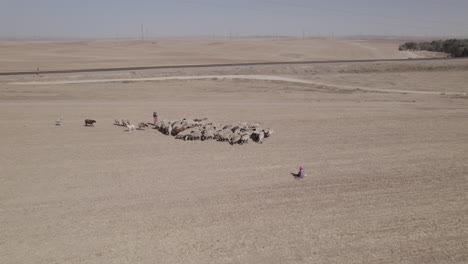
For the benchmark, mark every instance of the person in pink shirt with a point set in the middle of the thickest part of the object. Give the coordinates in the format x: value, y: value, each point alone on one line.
x: 301, y: 173
x: 155, y: 117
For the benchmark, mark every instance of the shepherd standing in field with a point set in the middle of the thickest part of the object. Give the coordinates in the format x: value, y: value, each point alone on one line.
x: 155, y: 117
x: 301, y: 173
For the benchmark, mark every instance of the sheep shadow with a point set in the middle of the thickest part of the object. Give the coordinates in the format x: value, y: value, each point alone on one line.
x: 296, y: 176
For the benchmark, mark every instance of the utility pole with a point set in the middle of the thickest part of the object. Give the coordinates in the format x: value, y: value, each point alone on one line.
x: 142, y: 33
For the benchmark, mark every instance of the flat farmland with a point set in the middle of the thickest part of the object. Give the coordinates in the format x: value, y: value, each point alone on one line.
x: 387, y: 177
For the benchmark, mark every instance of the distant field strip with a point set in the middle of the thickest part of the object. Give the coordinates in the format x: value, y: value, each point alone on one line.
x: 223, y: 65
x: 239, y: 77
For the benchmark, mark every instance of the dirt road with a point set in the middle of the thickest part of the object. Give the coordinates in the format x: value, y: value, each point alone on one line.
x: 241, y: 77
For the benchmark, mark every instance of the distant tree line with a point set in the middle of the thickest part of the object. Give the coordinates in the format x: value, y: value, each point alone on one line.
x: 454, y: 47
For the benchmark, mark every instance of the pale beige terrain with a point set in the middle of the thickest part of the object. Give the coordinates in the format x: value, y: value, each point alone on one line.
x: 387, y: 173
x: 28, y: 56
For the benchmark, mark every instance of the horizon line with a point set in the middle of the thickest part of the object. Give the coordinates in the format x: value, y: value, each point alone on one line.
x: 267, y: 36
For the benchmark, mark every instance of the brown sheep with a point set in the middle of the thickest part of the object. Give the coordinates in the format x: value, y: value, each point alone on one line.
x: 89, y: 122
x: 142, y: 126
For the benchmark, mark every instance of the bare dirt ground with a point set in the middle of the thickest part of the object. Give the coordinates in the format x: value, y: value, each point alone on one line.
x: 386, y: 172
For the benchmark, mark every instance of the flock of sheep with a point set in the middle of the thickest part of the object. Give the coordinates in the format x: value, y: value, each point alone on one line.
x: 204, y: 129
x: 198, y: 129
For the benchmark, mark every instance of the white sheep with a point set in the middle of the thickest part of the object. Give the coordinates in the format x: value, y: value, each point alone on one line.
x: 208, y: 134
x: 224, y: 135
x: 130, y: 127
x: 268, y: 132
x: 142, y: 125
x: 261, y: 136
x: 244, y: 139
x: 183, y: 135
x: 59, y: 121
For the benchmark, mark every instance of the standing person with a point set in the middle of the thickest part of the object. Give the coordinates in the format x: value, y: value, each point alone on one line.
x: 301, y: 173
x: 155, y: 117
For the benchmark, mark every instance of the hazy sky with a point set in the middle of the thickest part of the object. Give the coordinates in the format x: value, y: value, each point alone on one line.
x: 123, y: 18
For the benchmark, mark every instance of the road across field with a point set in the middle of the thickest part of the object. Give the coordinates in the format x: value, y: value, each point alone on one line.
x: 221, y: 65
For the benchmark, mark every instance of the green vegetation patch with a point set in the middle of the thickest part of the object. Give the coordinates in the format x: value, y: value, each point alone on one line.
x: 454, y: 47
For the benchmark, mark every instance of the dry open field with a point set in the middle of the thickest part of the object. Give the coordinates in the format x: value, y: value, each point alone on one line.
x: 28, y: 56
x: 387, y: 171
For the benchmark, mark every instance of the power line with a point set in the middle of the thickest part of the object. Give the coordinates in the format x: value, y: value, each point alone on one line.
x: 320, y: 10
x: 360, y: 14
